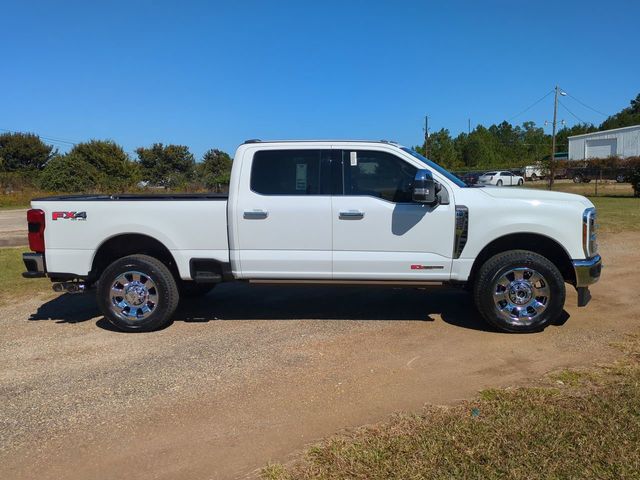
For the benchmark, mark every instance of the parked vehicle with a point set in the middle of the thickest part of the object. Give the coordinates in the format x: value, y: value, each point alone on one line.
x: 584, y: 174
x: 321, y: 212
x: 500, y: 179
x: 534, y: 172
x: 471, y: 178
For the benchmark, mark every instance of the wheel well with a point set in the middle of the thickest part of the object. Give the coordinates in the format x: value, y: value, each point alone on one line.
x: 130, y: 244
x: 533, y: 242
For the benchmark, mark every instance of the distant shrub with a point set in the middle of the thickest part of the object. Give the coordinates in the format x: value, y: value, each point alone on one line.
x: 69, y: 173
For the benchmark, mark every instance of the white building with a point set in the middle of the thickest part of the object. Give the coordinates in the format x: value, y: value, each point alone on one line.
x: 620, y: 142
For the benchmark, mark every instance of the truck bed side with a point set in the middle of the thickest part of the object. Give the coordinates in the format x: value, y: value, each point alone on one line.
x: 188, y: 226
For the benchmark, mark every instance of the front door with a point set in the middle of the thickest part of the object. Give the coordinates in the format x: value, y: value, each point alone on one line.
x: 378, y: 232
x: 283, y: 216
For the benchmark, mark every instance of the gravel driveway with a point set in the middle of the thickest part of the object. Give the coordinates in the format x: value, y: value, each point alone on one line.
x: 253, y: 373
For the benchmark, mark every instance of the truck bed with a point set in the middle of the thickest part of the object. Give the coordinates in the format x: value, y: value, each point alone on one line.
x: 133, y: 197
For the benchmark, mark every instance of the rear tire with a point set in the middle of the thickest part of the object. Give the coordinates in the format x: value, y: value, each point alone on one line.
x: 499, y: 184
x: 577, y: 179
x: 137, y: 293
x: 519, y: 291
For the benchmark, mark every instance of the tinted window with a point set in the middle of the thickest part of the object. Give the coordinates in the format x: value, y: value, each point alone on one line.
x: 290, y: 172
x: 507, y: 174
x: 378, y: 174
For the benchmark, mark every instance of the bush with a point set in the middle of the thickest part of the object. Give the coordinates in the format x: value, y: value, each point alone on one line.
x: 69, y: 173
x: 115, y: 169
x: 23, y: 151
x: 634, y: 178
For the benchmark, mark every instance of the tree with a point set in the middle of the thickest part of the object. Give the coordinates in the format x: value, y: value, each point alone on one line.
x: 115, y: 168
x: 23, y: 151
x: 69, y: 173
x: 167, y: 166
x: 215, y: 169
x: 625, y: 118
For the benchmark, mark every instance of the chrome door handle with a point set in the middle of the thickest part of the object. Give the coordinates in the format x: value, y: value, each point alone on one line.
x: 351, y: 215
x: 255, y: 214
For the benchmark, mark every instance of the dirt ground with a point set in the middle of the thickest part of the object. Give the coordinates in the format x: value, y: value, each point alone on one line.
x: 13, y: 228
x: 251, y: 374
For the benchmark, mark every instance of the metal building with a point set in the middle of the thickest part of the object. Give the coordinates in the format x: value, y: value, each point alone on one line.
x: 620, y: 142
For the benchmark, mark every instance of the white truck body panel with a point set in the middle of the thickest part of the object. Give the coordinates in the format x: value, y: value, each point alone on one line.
x: 304, y: 236
x: 188, y: 228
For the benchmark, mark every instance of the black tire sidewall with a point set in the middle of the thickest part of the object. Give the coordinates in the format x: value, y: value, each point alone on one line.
x: 501, y: 263
x: 161, y: 276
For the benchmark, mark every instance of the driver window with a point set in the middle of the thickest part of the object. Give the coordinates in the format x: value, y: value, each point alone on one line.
x: 377, y: 174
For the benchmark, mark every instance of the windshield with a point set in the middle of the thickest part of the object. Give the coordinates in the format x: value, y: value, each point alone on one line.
x: 450, y: 176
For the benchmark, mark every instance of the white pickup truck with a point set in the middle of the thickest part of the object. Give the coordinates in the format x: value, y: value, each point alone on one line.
x: 333, y: 212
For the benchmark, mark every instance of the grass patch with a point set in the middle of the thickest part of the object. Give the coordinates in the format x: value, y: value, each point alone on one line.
x: 586, y: 426
x: 11, y: 281
x: 618, y: 214
x: 607, y: 188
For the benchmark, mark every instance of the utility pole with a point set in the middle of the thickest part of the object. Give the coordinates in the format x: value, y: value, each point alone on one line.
x: 552, y: 165
x: 426, y: 136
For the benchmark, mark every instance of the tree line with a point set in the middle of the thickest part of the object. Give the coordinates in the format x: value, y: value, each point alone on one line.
x: 507, y: 146
x: 103, y: 165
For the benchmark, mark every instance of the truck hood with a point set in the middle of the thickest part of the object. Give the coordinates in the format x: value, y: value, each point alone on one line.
x: 533, y: 195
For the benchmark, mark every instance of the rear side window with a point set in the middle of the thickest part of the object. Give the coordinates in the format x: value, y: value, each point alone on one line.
x: 378, y: 174
x: 291, y: 172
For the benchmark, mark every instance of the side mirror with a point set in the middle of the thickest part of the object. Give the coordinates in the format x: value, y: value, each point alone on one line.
x: 424, y: 187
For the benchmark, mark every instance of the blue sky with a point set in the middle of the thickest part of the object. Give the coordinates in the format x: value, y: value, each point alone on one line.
x: 212, y: 74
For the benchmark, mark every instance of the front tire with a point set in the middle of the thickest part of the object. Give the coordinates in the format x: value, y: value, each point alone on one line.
x: 520, y: 182
x: 499, y: 184
x: 519, y: 291
x: 137, y: 293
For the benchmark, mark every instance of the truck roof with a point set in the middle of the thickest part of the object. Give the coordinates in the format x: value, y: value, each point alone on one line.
x: 257, y: 140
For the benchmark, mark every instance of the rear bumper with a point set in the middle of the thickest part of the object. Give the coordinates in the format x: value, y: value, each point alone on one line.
x: 587, y: 271
x: 34, y: 263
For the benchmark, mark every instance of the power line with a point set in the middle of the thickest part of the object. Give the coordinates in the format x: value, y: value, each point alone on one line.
x: 531, y: 106
x: 577, y: 117
x: 587, y: 106
x: 59, y: 141
x: 50, y: 139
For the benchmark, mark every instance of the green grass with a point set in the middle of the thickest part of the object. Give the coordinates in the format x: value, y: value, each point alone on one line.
x: 617, y: 214
x: 576, y: 425
x: 11, y: 281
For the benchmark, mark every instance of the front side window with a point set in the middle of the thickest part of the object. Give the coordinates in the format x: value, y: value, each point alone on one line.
x: 291, y: 172
x: 377, y: 174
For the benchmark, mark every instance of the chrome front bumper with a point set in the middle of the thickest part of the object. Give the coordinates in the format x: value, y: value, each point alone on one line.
x: 587, y: 271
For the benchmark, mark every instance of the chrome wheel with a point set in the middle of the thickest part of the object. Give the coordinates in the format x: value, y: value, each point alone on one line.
x: 134, y: 296
x: 521, y: 295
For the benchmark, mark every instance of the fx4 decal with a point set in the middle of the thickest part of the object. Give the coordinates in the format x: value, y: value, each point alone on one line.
x: 69, y: 215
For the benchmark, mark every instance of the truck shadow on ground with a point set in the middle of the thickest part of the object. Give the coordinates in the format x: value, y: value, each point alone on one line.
x: 239, y: 301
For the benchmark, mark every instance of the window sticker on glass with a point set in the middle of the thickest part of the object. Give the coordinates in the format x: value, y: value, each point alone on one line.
x: 354, y: 158
x: 301, y: 176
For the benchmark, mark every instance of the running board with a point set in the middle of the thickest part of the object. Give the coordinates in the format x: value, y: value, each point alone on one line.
x: 396, y: 283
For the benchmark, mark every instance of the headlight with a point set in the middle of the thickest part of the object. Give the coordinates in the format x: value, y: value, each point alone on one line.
x: 589, y: 234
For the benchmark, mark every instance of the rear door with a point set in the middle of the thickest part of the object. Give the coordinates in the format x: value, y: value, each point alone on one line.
x: 378, y: 232
x: 283, y: 215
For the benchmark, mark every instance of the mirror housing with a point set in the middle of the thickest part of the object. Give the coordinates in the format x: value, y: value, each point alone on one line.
x: 424, y: 188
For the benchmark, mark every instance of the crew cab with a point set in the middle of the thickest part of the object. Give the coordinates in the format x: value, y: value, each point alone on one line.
x: 334, y: 212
